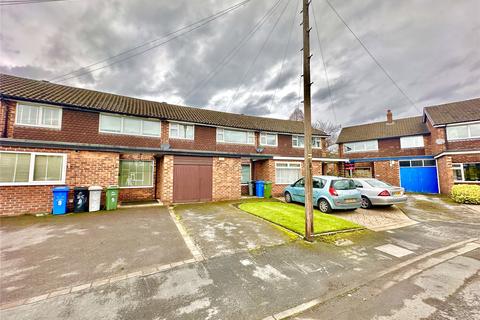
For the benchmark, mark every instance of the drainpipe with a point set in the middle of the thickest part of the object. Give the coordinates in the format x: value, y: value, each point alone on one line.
x: 5, y: 125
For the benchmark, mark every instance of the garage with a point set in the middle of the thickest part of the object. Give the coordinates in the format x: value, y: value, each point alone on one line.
x: 419, y: 175
x: 192, y: 179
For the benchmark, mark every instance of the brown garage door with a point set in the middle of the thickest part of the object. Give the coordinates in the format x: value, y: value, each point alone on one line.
x: 192, y: 179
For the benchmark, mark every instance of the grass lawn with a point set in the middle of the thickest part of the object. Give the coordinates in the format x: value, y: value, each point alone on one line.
x: 292, y: 216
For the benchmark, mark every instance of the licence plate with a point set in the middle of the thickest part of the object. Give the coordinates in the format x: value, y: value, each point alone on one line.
x: 350, y: 200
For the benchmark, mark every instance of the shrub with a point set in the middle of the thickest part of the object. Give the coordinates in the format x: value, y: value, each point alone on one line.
x: 466, y: 193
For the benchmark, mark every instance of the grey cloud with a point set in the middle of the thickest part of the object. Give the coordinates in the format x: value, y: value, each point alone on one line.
x: 431, y: 48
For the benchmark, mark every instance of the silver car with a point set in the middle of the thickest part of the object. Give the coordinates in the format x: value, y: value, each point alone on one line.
x: 378, y: 193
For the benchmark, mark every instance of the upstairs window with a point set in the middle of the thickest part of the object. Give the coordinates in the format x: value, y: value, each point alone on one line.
x: 25, y: 168
x: 467, y: 131
x: 235, y: 136
x: 268, y: 139
x: 362, y: 146
x: 411, y: 142
x: 299, y: 142
x: 182, y: 131
x: 38, y: 116
x: 129, y: 125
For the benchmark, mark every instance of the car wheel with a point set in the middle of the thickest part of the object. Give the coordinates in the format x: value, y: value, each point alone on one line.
x: 324, y: 206
x: 288, y: 197
x: 366, y: 203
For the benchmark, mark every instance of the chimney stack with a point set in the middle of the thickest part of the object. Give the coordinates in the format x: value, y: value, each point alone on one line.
x: 389, y: 117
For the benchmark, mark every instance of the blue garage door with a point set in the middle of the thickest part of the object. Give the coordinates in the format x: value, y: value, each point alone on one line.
x: 419, y: 176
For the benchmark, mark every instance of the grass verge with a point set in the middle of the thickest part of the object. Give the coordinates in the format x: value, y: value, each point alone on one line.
x: 292, y: 217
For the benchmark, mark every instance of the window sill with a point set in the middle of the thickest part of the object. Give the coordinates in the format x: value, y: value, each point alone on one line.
x: 139, y: 187
x: 32, y: 184
x: 182, y: 139
x: 37, y: 127
x: 472, y: 182
x: 129, y: 134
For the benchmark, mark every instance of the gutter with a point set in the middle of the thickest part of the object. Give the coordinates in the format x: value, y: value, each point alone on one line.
x: 447, y: 153
x: 108, y: 148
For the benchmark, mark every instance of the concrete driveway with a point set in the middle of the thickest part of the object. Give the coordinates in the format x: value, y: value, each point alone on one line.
x: 220, y: 228
x: 42, y: 254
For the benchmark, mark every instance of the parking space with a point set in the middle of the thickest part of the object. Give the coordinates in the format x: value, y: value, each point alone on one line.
x: 377, y: 218
x: 41, y: 254
x: 220, y: 228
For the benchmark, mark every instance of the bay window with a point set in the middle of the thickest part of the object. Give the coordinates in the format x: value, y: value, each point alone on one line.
x: 268, y: 139
x: 182, y: 131
x: 411, y: 142
x: 38, y: 116
x: 32, y: 168
x: 235, y: 136
x: 466, y: 172
x: 467, y: 131
x: 287, y: 172
x: 129, y: 125
x: 135, y: 174
x: 361, y: 146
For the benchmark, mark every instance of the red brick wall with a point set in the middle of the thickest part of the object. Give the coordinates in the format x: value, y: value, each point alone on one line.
x: 445, y: 174
x: 438, y: 139
x: 165, y: 180
x: 82, y: 127
x: 79, y: 127
x: 226, y: 179
x: 84, y: 168
x: 386, y: 148
x: 388, y: 171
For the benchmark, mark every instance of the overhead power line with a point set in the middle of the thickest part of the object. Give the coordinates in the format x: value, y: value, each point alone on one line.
x: 372, y: 56
x: 324, y: 63
x: 17, y: 2
x: 272, y: 99
x: 259, y: 52
x: 148, y: 46
x: 229, y: 56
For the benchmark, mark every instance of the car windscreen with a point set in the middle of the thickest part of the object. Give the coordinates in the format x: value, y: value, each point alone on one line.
x: 377, y: 183
x: 344, y: 184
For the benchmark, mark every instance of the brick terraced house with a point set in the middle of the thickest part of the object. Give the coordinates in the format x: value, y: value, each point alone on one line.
x: 59, y: 135
x: 428, y: 153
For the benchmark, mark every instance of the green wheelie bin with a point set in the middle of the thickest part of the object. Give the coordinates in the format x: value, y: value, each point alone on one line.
x: 268, y: 189
x: 112, y: 198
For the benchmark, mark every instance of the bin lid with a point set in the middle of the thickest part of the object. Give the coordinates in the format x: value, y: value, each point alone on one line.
x: 268, y: 182
x: 95, y: 188
x: 112, y: 187
x: 260, y: 181
x: 80, y: 188
x: 62, y: 188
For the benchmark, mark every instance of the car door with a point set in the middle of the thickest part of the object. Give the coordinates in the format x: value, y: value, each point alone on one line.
x: 299, y: 191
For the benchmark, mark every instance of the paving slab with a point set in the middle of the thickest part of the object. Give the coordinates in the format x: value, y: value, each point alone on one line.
x: 377, y: 218
x: 45, y: 254
x: 220, y: 228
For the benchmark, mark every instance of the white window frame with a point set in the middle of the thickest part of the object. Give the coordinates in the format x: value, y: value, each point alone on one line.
x: 358, y: 143
x: 404, y: 141
x: 459, y: 166
x: 250, y: 172
x: 468, y: 124
x: 122, y: 117
x: 298, y: 166
x: 137, y: 187
x: 264, y: 139
x: 222, y: 131
x: 31, y: 182
x: 41, y: 107
x: 296, y: 136
x: 180, y: 124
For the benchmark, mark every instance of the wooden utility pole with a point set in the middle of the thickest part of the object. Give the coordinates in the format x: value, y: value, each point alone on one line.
x: 307, y: 110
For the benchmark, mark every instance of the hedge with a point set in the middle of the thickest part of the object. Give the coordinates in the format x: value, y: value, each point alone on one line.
x: 466, y: 193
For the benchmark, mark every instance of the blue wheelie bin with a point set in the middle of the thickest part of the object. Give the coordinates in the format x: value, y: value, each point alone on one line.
x: 60, y: 198
x: 259, y: 188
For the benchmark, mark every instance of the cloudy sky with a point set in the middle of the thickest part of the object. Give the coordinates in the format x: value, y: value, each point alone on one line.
x: 431, y: 48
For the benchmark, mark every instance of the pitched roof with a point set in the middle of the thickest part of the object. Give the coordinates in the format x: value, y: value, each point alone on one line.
x: 381, y: 130
x: 45, y: 92
x: 460, y: 111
